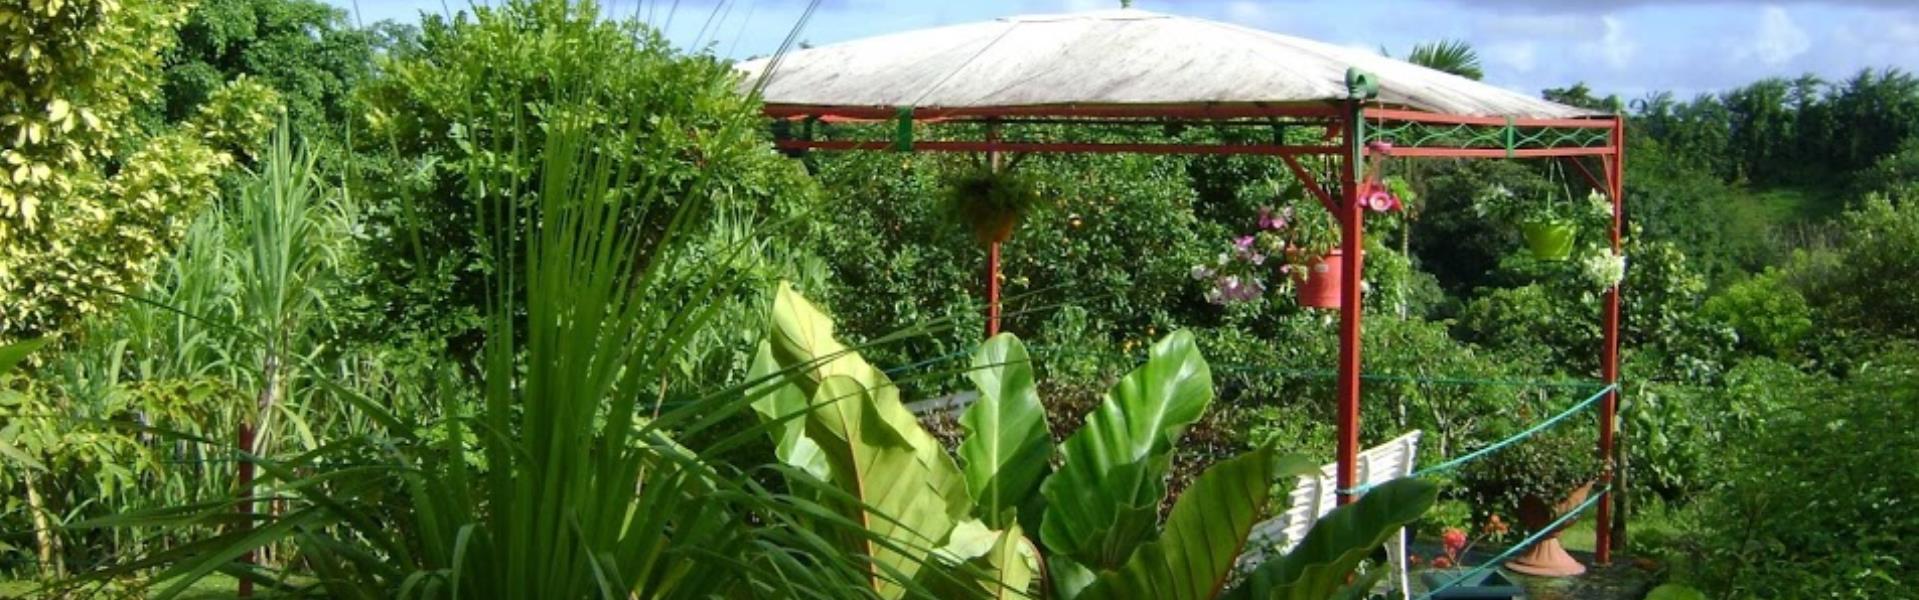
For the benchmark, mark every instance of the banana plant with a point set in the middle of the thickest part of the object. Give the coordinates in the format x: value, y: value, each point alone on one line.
x: 837, y: 418
x: 900, y: 490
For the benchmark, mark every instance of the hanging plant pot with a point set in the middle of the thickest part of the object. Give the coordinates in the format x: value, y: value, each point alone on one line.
x: 1548, y: 558
x: 1549, y: 240
x: 991, y: 226
x: 1319, y: 283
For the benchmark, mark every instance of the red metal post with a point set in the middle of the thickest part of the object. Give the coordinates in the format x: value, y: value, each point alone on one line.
x: 992, y: 289
x: 992, y: 250
x: 1352, y: 226
x: 244, y: 480
x: 1609, y: 355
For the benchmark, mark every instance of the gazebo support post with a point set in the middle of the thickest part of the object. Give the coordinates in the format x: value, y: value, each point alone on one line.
x: 1351, y: 216
x: 992, y: 249
x: 1609, y: 355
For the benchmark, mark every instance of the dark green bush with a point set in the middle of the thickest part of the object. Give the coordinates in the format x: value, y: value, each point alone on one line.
x: 1818, y: 497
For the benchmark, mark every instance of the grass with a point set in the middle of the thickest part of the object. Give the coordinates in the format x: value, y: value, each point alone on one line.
x: 208, y: 588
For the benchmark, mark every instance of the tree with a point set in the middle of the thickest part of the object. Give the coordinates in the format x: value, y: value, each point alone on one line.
x: 448, y: 109
x: 87, y: 196
x: 303, y: 49
x: 1452, y: 56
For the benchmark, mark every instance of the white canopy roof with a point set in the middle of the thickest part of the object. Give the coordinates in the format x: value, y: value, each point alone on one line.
x: 1116, y: 57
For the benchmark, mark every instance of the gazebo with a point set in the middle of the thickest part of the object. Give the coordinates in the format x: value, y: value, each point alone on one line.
x: 970, y: 87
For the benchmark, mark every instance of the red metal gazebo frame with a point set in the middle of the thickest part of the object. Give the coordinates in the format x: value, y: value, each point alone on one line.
x: 1351, y: 128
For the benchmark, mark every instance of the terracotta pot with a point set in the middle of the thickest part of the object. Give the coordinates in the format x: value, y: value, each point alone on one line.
x: 1549, y: 240
x: 1319, y: 285
x: 1548, y: 558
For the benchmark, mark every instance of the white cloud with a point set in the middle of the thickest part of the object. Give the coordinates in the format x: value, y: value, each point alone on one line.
x: 1613, y: 49
x: 1777, y: 40
x: 1521, y: 57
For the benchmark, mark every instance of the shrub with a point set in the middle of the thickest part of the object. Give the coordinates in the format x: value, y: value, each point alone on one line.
x: 1817, y: 498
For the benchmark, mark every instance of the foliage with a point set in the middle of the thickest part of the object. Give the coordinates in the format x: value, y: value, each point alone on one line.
x: 1770, y: 316
x: 1811, y: 502
x: 1099, y: 512
x: 1545, y: 467
x: 303, y: 49
x: 1452, y: 56
x: 1320, y: 565
x: 446, y: 112
x: 82, y: 179
x: 990, y: 202
x: 561, y: 479
x: 1868, y: 289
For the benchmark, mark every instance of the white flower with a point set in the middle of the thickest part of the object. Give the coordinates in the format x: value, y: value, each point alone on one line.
x: 1603, y: 268
x: 1200, y: 272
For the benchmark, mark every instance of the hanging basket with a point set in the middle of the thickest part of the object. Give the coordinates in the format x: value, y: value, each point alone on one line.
x: 991, y: 226
x: 1319, y: 284
x: 1549, y: 240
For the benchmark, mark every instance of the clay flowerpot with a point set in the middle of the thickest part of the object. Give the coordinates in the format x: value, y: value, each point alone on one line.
x: 1319, y: 281
x: 1549, y: 240
x: 1548, y: 558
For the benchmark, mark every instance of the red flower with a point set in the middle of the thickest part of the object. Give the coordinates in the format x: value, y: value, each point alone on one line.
x: 1454, y: 540
x: 1442, y: 563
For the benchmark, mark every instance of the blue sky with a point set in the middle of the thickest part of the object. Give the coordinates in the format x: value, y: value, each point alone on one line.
x: 1621, y: 46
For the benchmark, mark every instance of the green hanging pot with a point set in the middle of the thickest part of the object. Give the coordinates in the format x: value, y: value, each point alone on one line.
x: 1549, y: 240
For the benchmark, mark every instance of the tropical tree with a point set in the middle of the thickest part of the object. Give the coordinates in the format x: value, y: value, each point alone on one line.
x: 1452, y: 56
x: 305, y: 50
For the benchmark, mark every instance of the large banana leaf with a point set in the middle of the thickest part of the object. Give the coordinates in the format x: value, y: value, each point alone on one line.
x: 803, y: 343
x: 1318, y: 567
x: 1008, y: 449
x: 982, y: 563
x: 1104, y: 501
x: 892, y: 492
x: 1194, y: 558
x: 778, y: 400
x: 904, y: 490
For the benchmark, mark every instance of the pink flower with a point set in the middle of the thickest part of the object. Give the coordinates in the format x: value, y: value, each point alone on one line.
x: 1244, y: 242
x: 1269, y: 221
x: 1382, y: 147
x: 1378, y: 200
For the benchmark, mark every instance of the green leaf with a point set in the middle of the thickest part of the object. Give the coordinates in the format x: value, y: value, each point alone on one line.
x: 1008, y: 449
x: 1104, y: 501
x: 12, y: 354
x: 1318, y: 567
x: 1675, y: 591
x: 776, y: 399
x: 907, y: 492
x: 875, y: 464
x: 1194, y: 558
x: 978, y: 562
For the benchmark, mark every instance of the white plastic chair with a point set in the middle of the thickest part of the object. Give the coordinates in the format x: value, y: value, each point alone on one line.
x: 1316, y: 495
